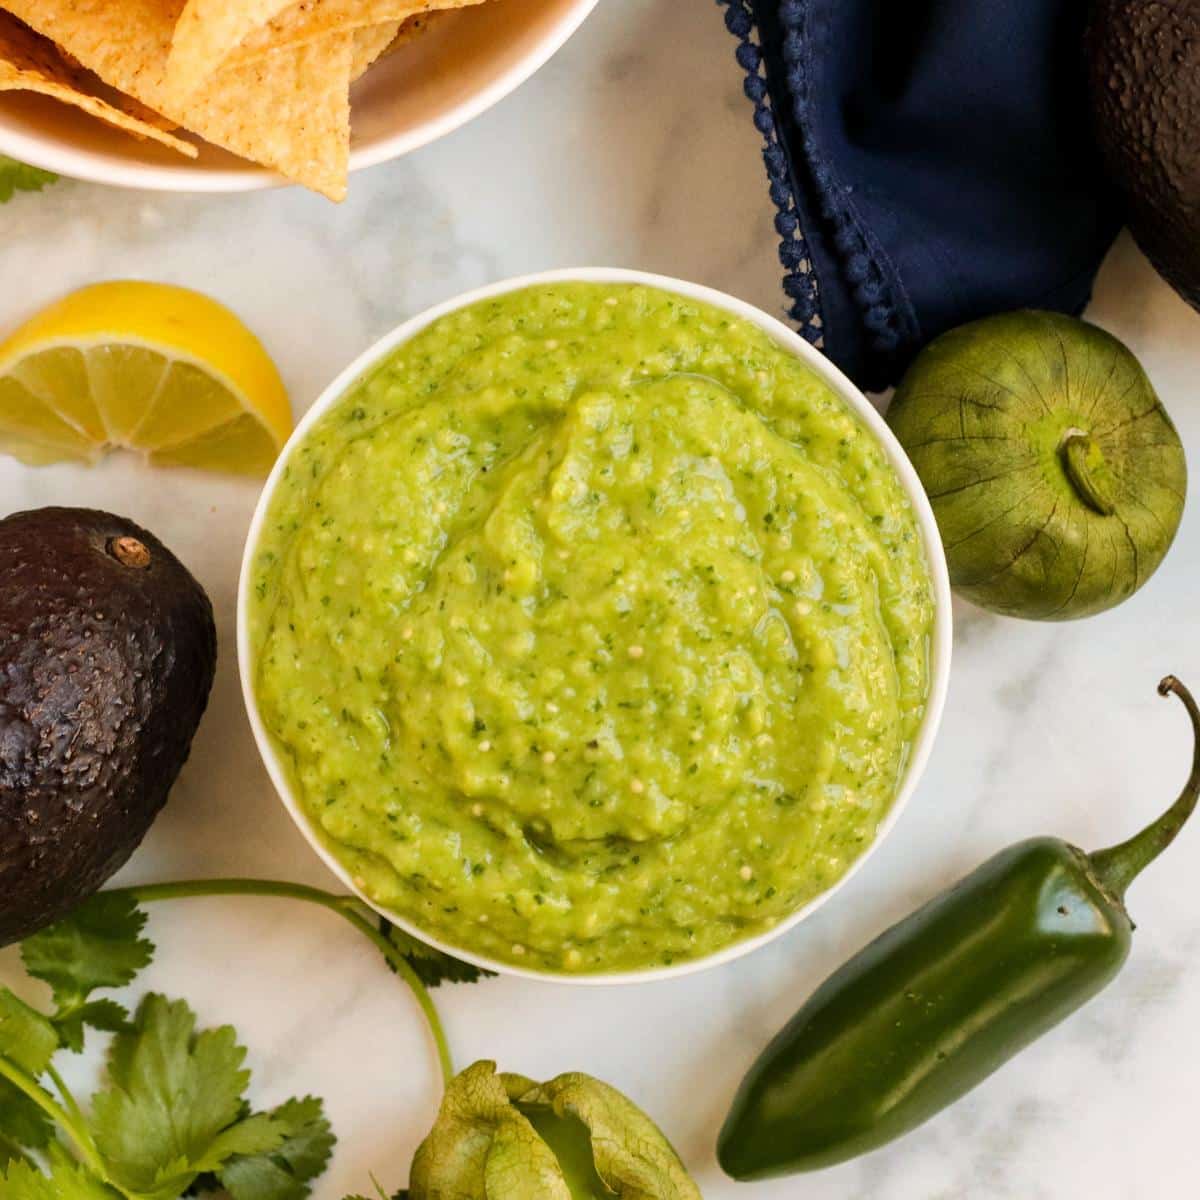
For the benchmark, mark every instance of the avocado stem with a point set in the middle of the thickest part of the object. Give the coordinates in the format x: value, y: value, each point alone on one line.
x: 1075, y: 448
x: 1118, y: 866
x: 130, y: 552
x: 346, y: 907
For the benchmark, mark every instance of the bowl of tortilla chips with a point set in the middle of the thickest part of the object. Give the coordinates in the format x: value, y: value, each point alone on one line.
x: 234, y: 95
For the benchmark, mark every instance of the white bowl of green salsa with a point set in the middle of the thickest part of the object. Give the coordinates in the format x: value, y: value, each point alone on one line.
x: 594, y: 627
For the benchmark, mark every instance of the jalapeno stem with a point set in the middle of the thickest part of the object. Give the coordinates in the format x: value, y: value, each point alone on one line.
x: 1117, y: 867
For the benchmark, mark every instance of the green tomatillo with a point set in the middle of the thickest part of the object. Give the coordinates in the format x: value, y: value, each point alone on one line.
x: 1055, y: 474
x: 504, y: 1137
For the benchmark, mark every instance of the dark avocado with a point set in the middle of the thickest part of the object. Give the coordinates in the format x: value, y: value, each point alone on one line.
x: 1144, y: 71
x: 107, y: 653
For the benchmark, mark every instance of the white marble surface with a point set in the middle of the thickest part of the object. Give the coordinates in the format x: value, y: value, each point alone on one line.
x: 635, y: 148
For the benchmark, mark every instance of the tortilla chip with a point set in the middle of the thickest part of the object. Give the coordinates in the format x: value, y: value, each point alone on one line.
x: 31, y: 63
x: 378, y: 41
x: 205, y: 34
x: 136, y: 109
x: 312, y: 19
x: 289, y: 110
x: 370, y: 44
x: 414, y: 28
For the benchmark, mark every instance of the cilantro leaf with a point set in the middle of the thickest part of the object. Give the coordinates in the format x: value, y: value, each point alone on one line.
x: 26, y: 1037
x: 23, y: 1126
x: 65, y: 1182
x: 285, y: 1172
x: 105, y: 1015
x: 98, y: 946
x: 432, y: 967
x: 17, y: 177
x: 174, y: 1107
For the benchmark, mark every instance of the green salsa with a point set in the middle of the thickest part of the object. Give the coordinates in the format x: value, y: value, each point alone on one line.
x: 593, y: 629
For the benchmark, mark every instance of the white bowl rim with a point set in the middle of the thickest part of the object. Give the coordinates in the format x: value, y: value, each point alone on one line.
x: 79, y: 164
x: 940, y: 642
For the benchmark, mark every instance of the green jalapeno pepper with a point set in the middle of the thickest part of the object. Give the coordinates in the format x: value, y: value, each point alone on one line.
x: 941, y: 1000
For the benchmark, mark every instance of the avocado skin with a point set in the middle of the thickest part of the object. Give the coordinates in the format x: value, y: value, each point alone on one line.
x: 1144, y: 78
x: 105, y: 671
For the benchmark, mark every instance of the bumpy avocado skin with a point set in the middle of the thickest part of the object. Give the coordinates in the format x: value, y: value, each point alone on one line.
x: 105, y: 671
x: 1144, y: 69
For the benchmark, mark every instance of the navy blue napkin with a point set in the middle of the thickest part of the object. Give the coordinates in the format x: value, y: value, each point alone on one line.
x: 930, y: 161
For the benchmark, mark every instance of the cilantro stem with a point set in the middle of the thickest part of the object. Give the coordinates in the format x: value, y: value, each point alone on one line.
x: 346, y: 907
x: 65, y: 1094
x: 70, y: 1121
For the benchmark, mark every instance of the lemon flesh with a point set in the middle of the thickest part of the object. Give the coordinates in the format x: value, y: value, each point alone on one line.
x: 147, y: 367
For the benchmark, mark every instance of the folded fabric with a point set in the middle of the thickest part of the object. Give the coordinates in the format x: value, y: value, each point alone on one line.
x: 931, y: 163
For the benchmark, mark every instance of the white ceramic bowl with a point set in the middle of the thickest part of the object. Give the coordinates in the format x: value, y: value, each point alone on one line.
x: 465, y: 63
x: 789, y: 340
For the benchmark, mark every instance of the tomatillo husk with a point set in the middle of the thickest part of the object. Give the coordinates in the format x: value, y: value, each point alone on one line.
x: 1055, y: 474
x: 505, y: 1137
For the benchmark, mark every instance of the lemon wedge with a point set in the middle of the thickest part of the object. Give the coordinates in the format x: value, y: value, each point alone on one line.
x: 148, y: 367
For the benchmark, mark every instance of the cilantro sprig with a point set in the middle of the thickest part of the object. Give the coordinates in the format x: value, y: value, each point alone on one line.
x: 17, y: 177
x: 399, y: 955
x: 432, y: 967
x: 99, y: 947
x: 173, y: 1112
x: 172, y: 1117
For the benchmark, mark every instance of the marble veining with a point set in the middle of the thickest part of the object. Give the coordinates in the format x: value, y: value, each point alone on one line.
x: 634, y: 147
